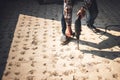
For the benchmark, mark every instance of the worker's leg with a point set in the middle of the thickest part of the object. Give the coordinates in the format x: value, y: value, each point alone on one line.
x: 63, y: 24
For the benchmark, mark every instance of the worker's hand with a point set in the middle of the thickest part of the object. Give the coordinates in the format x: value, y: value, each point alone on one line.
x: 68, y: 31
x: 81, y: 12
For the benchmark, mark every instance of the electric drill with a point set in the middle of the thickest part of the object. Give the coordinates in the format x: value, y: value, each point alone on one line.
x: 80, y: 15
x: 78, y: 29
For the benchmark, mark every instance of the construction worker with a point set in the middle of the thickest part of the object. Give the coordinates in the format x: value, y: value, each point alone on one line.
x: 91, y: 13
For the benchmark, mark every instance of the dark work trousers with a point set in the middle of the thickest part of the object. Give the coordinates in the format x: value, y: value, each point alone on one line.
x: 92, y: 13
x: 63, y: 24
x: 91, y: 16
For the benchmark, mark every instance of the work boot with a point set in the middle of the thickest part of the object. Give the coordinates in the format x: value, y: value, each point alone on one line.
x: 93, y: 28
x: 64, y: 40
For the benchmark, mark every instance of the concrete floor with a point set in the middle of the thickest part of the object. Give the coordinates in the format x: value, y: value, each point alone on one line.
x: 30, y: 43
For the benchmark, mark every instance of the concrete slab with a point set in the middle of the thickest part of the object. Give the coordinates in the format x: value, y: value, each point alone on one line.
x: 35, y: 52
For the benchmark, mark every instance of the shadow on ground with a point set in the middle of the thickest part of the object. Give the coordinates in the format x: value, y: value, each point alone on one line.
x: 108, y: 43
x: 105, y: 54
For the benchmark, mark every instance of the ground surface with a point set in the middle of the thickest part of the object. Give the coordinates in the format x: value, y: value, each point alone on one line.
x: 30, y: 44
